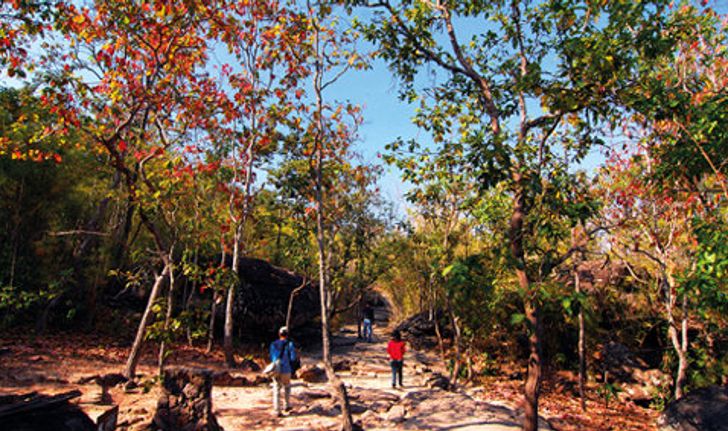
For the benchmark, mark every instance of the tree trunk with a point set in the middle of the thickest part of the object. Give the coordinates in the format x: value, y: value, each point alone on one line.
x: 277, y: 254
x: 680, y: 344
x: 230, y: 301
x: 42, y: 323
x: 347, y: 423
x: 189, y: 292
x: 211, y: 327
x: 531, y: 305
x: 582, y: 345
x: 133, y: 360
x: 679, y: 341
x: 457, y: 342
x: 469, y: 362
x: 17, y: 220
x: 237, y: 252
x: 359, y: 313
x: 337, y: 385
x: 440, y: 342
x: 291, y: 297
x: 121, y: 238
x: 228, y: 328
x: 92, y: 297
x: 167, y: 319
x: 421, y: 299
x: 533, y: 380
x: 213, y: 311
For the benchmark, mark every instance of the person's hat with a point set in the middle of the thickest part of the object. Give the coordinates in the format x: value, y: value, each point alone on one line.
x: 283, y: 330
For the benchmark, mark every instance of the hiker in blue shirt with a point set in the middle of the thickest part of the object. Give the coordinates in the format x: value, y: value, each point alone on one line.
x: 368, y: 315
x: 284, y: 350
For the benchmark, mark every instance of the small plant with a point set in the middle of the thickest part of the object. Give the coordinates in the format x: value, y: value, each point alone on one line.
x: 608, y: 391
x: 148, y: 384
x: 489, y: 365
x: 660, y: 396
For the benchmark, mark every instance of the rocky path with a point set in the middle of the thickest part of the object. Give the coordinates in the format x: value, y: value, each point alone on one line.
x: 365, y: 369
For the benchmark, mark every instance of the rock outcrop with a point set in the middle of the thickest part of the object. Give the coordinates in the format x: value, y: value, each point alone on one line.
x: 312, y: 374
x: 262, y: 302
x: 186, y: 401
x: 420, y: 331
x: 237, y: 379
x: 704, y: 409
x: 637, y: 381
x: 40, y: 412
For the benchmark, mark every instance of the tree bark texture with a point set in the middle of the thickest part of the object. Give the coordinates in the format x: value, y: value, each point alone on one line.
x: 347, y: 424
x: 167, y: 319
x: 582, y: 344
x: 531, y: 305
x: 133, y: 359
x: 292, y: 297
x: 230, y: 302
x: 680, y: 344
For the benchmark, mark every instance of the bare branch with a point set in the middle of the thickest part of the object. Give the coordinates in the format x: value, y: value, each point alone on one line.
x: 77, y: 232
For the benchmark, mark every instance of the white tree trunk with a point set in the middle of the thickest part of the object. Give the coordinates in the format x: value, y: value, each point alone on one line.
x: 133, y: 360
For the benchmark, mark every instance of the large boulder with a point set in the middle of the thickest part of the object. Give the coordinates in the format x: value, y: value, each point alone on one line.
x: 704, y: 409
x: 437, y: 380
x: 619, y: 361
x: 419, y: 330
x: 312, y: 374
x: 186, y: 401
x: 40, y: 412
x: 637, y: 381
x: 237, y: 379
x: 262, y: 302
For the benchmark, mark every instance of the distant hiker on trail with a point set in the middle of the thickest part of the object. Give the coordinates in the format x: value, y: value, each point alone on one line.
x: 396, y: 349
x: 283, y: 351
x: 368, y: 316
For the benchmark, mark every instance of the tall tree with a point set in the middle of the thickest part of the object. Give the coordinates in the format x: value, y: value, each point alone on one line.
x: 654, y: 235
x: 329, y: 136
x: 441, y: 197
x: 681, y: 101
x: 265, y: 38
x: 673, y: 180
x: 130, y: 78
x: 497, y: 59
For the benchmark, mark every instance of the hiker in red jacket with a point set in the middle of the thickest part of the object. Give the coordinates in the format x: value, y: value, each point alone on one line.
x: 396, y: 349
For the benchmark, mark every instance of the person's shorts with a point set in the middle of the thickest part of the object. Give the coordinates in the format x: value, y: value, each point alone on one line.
x: 283, y: 378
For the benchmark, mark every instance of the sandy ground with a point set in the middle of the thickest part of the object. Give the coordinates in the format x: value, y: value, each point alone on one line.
x: 413, y: 407
x: 53, y: 364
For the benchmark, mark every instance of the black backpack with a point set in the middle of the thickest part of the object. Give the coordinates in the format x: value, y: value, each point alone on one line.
x: 295, y: 364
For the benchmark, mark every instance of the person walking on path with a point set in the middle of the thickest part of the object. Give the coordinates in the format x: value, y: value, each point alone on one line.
x: 282, y: 350
x: 368, y: 315
x: 396, y: 349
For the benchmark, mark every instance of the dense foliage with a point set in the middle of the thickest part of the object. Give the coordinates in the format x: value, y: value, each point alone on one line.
x: 132, y: 156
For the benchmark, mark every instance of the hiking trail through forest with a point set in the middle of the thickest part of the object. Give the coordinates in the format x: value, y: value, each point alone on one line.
x: 374, y: 402
x: 55, y: 363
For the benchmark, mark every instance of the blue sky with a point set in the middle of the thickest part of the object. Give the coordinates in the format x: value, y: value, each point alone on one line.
x: 386, y: 117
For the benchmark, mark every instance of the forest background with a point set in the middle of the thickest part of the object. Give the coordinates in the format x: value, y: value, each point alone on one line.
x: 133, y: 157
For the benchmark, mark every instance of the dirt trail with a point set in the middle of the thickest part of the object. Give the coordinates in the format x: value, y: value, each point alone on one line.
x: 375, y: 404
x: 56, y: 364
